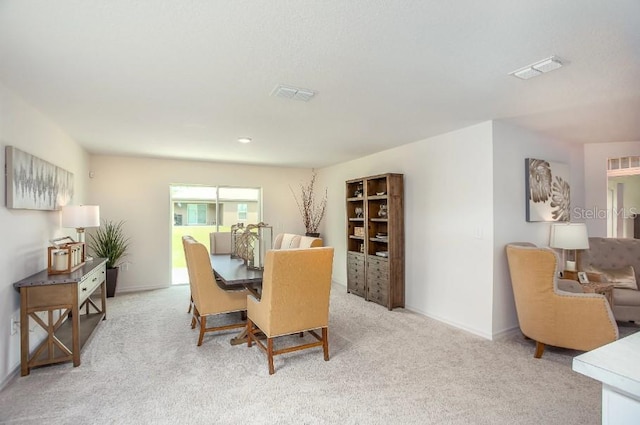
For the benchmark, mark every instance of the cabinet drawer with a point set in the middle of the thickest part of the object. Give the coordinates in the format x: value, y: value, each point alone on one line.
x: 355, y: 258
x: 376, y: 262
x: 378, y: 294
x: 355, y: 268
x: 378, y: 273
x: 355, y: 285
x: 90, y: 283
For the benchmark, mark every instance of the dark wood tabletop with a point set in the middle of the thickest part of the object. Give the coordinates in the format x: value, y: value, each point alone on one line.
x: 232, y: 274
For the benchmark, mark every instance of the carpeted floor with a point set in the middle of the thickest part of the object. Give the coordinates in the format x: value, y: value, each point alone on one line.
x: 142, y: 366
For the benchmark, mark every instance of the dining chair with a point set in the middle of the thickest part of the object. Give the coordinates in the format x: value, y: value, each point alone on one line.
x: 208, y: 298
x: 296, y: 285
x: 219, y: 243
x: 184, y: 238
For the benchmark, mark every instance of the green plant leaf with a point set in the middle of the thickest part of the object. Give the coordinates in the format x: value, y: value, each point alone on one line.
x: 109, y: 242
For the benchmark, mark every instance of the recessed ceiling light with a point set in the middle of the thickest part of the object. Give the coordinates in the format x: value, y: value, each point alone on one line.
x: 244, y: 140
x: 538, y: 68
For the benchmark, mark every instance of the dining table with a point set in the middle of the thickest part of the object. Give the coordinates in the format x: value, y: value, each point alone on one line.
x: 232, y: 274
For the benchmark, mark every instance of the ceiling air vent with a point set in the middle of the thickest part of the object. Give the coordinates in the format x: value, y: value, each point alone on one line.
x: 295, y: 93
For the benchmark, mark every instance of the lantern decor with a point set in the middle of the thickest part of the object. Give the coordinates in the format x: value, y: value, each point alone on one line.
x: 261, y: 244
x: 236, y: 230
x: 251, y: 243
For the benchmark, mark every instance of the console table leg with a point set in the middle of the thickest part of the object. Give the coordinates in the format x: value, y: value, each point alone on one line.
x: 76, y: 333
x: 24, y: 334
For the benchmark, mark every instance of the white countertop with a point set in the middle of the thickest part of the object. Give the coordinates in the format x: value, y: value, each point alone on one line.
x: 616, y: 364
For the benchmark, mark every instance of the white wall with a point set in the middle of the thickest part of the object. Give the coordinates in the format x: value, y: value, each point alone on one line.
x: 137, y: 190
x: 448, y: 222
x: 595, y: 161
x: 25, y: 233
x: 511, y: 145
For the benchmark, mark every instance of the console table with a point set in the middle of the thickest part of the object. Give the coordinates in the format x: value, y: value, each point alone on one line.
x: 68, y: 294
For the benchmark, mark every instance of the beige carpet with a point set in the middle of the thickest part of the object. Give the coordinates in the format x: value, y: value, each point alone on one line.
x: 142, y: 366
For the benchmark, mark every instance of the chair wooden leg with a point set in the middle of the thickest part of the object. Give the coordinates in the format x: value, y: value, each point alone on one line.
x: 270, y: 355
x: 325, y: 343
x: 190, y: 304
x: 539, y: 350
x: 243, y: 315
x: 249, y: 333
x: 194, y: 318
x: 203, y: 326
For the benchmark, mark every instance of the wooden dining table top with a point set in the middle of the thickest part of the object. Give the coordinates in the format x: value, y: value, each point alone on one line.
x: 233, y: 274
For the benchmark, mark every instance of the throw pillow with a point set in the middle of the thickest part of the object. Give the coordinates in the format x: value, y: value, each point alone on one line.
x: 624, y: 277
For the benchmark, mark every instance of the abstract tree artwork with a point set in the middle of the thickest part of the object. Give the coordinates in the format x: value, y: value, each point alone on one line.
x: 35, y: 184
x: 547, y: 190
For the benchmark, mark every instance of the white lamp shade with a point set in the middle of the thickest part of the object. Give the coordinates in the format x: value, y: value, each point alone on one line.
x: 80, y: 216
x: 569, y: 236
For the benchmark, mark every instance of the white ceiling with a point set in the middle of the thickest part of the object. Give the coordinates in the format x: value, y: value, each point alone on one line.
x: 185, y: 79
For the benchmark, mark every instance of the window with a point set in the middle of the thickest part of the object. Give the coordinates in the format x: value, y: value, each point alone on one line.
x: 242, y: 212
x: 196, y: 214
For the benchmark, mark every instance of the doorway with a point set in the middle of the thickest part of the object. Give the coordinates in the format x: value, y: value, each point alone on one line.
x: 623, y: 196
x: 198, y: 210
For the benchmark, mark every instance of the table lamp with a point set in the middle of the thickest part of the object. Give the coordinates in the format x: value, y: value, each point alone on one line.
x: 80, y: 217
x: 569, y: 236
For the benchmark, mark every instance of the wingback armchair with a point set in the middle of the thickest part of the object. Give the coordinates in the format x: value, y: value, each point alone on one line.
x: 295, y: 298
x: 551, y: 316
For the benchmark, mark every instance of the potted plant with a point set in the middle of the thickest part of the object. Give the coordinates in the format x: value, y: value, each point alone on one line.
x: 312, y: 211
x: 109, y: 242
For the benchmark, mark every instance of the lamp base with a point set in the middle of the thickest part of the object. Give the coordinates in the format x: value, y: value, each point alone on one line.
x: 570, y: 266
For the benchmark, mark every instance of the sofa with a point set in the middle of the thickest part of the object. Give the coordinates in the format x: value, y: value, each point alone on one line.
x: 608, y: 260
x: 290, y: 240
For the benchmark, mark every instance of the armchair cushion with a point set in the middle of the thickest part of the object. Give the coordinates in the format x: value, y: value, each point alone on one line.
x: 569, y: 285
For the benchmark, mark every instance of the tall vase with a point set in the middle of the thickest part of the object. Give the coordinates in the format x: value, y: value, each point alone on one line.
x: 112, y: 281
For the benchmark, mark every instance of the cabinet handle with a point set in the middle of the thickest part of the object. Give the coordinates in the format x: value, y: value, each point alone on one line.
x: 94, y: 279
x: 84, y: 289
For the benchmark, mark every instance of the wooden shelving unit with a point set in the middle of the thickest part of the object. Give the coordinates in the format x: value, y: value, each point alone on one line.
x: 375, y: 261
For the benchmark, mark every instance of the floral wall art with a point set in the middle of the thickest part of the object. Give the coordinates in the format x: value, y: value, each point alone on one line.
x: 35, y: 184
x: 548, y: 191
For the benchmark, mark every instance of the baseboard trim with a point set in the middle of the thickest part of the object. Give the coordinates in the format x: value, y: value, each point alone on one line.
x: 139, y: 288
x: 10, y: 377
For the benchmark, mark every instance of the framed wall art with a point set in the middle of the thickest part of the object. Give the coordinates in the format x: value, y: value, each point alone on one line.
x: 547, y: 191
x: 34, y: 184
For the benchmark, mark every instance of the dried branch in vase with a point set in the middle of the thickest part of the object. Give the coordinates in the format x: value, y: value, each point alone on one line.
x: 312, y: 211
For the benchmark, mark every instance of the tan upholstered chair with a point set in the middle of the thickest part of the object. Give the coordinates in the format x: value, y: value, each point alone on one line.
x: 208, y: 298
x: 220, y: 242
x: 549, y: 315
x: 295, y: 299
x: 290, y: 240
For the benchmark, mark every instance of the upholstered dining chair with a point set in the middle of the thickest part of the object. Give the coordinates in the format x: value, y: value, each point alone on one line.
x: 549, y: 315
x: 296, y: 285
x: 290, y: 240
x: 208, y: 298
x: 219, y: 243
